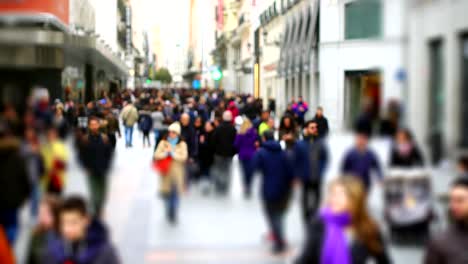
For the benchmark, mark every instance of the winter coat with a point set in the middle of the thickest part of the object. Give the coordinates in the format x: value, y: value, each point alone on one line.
x: 14, y: 181
x: 296, y: 108
x: 413, y: 159
x: 95, y: 249
x: 176, y: 174
x: 96, y: 154
x: 190, y: 137
x: 206, y: 150
x: 223, y: 140
x: 311, y: 252
x: 145, y: 122
x: 129, y: 115
x: 245, y: 144
x: 55, y: 156
x: 250, y: 110
x: 448, y: 247
x: 276, y: 169
x: 311, y: 159
x: 322, y: 125
x: 158, y: 120
x: 360, y: 165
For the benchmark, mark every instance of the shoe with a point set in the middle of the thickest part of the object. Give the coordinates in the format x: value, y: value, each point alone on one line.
x: 278, y: 249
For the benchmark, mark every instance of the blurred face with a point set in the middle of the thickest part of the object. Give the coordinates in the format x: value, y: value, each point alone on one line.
x: 338, y: 200
x: 185, y: 120
x: 73, y: 225
x: 94, y: 126
x: 208, y: 127
x: 401, y: 138
x: 271, y: 123
x: 45, y: 216
x: 172, y: 135
x: 319, y: 112
x: 287, y: 122
x: 459, y: 203
x: 265, y: 116
x: 361, y: 141
x: 198, y: 122
x: 312, y: 129
x: 52, y: 135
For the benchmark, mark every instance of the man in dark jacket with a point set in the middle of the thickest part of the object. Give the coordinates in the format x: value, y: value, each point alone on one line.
x: 322, y: 123
x: 14, y: 182
x: 276, y: 185
x: 223, y: 142
x: 82, y: 240
x: 189, y: 135
x: 311, y: 160
x: 450, y: 245
x: 96, y: 158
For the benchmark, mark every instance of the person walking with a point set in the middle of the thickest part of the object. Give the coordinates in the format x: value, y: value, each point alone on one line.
x: 173, y: 180
x: 360, y: 161
x: 159, y: 126
x: 223, y: 142
x: 300, y: 108
x: 245, y: 143
x: 343, y: 232
x: 404, y: 152
x: 145, y: 124
x: 311, y: 160
x: 55, y: 156
x: 96, y: 157
x: 129, y: 117
x: 288, y: 132
x: 276, y: 186
x: 206, y: 155
x: 112, y: 128
x: 322, y: 123
x: 449, y: 246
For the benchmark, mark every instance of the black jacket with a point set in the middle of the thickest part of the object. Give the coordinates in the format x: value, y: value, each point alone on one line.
x: 311, y: 252
x: 190, y: 137
x: 14, y: 181
x: 322, y: 125
x: 206, y: 150
x: 414, y: 159
x: 448, y: 247
x: 96, y: 153
x: 223, y: 140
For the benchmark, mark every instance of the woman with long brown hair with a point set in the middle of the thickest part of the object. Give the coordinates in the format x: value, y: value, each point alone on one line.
x: 343, y: 232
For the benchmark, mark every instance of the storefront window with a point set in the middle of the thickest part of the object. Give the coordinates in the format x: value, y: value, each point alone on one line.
x: 363, y: 19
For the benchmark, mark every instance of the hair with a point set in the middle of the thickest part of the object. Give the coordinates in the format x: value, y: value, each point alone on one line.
x: 366, y: 228
x: 407, y: 133
x: 74, y: 204
x: 461, y: 182
x: 246, y: 125
x: 463, y: 161
x: 293, y: 123
x: 310, y: 122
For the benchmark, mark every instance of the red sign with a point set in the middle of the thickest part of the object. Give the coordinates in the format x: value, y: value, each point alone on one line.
x: 58, y: 8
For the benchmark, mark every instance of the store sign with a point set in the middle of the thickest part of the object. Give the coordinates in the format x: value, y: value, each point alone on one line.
x: 57, y: 8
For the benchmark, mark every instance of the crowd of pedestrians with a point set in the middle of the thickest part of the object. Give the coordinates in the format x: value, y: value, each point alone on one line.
x: 195, y: 135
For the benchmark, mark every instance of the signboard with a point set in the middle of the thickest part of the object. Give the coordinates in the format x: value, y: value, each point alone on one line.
x: 57, y: 8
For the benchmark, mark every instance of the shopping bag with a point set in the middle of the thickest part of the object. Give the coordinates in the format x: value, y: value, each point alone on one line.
x: 163, y: 165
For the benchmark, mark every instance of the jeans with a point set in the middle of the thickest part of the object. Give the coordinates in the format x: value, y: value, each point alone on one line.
x: 98, y: 191
x: 247, y: 170
x: 274, y: 213
x: 128, y: 135
x: 172, y: 203
x: 146, y: 138
x: 35, y: 199
x: 222, y: 174
x: 311, y: 195
x: 10, y: 223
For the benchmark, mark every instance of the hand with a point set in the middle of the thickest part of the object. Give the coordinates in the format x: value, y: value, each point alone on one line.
x: 169, y: 149
x: 202, y: 139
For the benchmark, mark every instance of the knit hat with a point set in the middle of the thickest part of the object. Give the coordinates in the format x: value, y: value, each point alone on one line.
x: 175, y: 127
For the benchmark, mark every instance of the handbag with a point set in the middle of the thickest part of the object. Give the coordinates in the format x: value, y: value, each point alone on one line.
x: 162, y: 165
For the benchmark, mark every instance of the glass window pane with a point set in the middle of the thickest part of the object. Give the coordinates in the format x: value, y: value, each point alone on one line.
x: 363, y: 19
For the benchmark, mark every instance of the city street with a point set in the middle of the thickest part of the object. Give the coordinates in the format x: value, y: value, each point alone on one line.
x: 211, y: 229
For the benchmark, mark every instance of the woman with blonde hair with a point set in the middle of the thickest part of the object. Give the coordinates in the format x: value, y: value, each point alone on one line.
x: 172, y: 181
x: 245, y: 143
x: 344, y: 232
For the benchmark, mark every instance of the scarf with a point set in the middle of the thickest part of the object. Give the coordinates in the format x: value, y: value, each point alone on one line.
x: 335, y: 249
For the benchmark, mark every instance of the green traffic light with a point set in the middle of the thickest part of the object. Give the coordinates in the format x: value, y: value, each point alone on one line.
x: 148, y: 81
x: 216, y: 75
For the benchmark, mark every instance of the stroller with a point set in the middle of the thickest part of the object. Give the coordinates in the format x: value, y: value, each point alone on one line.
x: 408, y: 205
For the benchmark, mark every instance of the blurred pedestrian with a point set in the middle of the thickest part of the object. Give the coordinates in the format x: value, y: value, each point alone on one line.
x: 159, y: 125
x: 404, y: 152
x: 288, y: 131
x: 450, y: 245
x: 44, y: 231
x: 223, y: 141
x: 113, y: 128
x: 300, y: 108
x: 276, y: 186
x: 15, y: 183
x: 245, y: 144
x: 232, y: 107
x: 360, y: 161
x: 145, y: 124
x: 311, y: 160
x: 206, y: 154
x: 96, y: 157
x: 322, y: 122
x: 173, y: 180
x: 262, y: 125
x: 55, y: 155
x: 129, y: 117
x: 343, y: 232
x: 82, y: 239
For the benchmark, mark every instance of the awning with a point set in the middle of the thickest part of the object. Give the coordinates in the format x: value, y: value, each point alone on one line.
x: 32, y: 47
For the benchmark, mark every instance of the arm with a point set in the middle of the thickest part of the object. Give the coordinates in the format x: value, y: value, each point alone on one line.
x: 161, y: 152
x: 376, y: 166
x: 180, y: 152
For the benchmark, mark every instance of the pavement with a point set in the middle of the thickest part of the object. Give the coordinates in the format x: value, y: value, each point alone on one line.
x: 211, y: 229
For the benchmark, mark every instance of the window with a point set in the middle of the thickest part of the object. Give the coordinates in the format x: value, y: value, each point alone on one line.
x: 464, y: 91
x: 363, y: 19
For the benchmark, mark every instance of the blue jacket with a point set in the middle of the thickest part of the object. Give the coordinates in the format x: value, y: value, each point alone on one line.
x: 277, y: 171
x: 311, y: 159
x: 361, y: 164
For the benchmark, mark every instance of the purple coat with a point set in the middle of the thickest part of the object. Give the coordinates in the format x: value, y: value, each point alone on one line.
x: 245, y: 144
